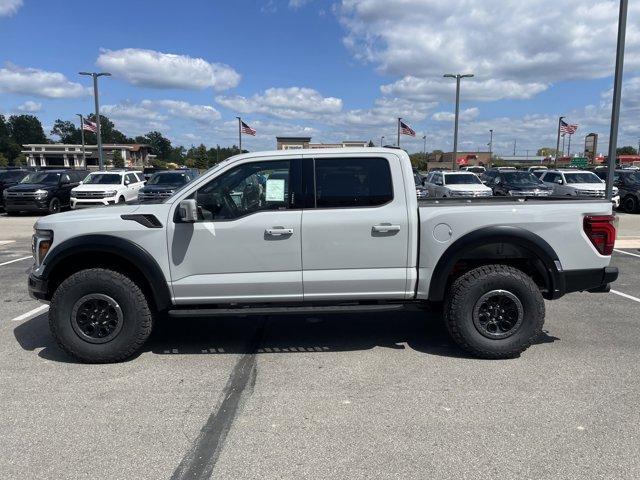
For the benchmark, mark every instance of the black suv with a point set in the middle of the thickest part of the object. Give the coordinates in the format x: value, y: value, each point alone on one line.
x: 46, y: 191
x: 515, y: 183
x: 628, y: 183
x: 9, y: 178
x: 161, y: 185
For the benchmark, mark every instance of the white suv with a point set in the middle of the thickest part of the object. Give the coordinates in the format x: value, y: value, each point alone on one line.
x: 577, y: 183
x: 107, y: 188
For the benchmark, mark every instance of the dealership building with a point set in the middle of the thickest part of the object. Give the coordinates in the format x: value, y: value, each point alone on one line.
x: 69, y: 155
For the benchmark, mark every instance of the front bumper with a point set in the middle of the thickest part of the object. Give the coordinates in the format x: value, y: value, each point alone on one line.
x: 38, y: 287
x: 597, y: 280
x: 92, y: 202
x: 29, y: 205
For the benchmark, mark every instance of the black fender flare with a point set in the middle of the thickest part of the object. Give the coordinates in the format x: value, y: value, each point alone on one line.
x: 495, y: 235
x: 129, y: 251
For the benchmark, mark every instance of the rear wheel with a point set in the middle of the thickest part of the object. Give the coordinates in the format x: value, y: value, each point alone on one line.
x: 494, y: 311
x: 630, y: 204
x: 100, y: 316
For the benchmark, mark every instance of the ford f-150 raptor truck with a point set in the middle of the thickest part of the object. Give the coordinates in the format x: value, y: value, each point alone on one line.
x: 329, y: 230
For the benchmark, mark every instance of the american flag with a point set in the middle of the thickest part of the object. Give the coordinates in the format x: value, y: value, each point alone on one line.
x: 247, y: 129
x: 406, y: 129
x: 89, y: 125
x: 567, y: 129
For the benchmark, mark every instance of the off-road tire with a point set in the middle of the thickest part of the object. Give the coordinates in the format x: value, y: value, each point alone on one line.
x: 137, y: 320
x: 467, y: 290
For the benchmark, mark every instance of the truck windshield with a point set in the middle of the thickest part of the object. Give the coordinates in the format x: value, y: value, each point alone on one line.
x: 583, y: 177
x: 519, y: 178
x: 103, y: 179
x: 42, y: 178
x: 461, y: 179
x: 173, y: 178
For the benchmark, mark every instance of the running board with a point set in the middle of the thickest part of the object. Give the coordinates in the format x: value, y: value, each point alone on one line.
x: 217, y: 312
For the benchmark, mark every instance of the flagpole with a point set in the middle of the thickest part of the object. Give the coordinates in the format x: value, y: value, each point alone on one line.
x: 399, y: 119
x: 569, y: 148
x: 239, y: 134
x: 555, y: 161
x: 84, y: 154
x: 563, y: 139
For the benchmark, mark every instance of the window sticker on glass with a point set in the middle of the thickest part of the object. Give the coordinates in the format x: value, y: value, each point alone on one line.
x: 275, y: 190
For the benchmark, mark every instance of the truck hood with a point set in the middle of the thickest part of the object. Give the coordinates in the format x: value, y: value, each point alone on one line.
x: 96, y: 188
x: 31, y: 187
x: 85, y: 215
x: 477, y: 187
x: 160, y: 188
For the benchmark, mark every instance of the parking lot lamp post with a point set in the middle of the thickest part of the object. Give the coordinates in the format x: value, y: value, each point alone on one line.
x: 490, y: 145
x: 617, y: 92
x: 95, y: 76
x: 458, y: 77
x: 84, y: 153
x: 424, y: 148
x: 382, y: 141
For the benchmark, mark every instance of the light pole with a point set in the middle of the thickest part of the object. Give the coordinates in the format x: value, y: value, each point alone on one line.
x: 95, y: 76
x: 491, y: 145
x: 424, y: 148
x: 84, y: 153
x: 382, y: 141
x: 458, y: 77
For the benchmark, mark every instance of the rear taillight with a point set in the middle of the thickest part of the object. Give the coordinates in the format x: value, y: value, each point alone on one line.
x: 601, y: 230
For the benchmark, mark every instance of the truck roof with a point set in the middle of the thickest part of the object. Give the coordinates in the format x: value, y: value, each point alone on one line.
x: 312, y: 151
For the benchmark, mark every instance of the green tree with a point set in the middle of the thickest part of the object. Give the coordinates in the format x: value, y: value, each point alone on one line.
x: 19, y: 160
x: 67, y: 131
x: 200, y: 157
x: 548, y: 152
x: 628, y: 150
x: 118, y: 161
x: 160, y: 145
x: 371, y: 144
x: 4, y: 162
x: 26, y: 129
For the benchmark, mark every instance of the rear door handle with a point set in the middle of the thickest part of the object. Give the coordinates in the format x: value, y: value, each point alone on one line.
x: 278, y: 231
x: 386, y: 228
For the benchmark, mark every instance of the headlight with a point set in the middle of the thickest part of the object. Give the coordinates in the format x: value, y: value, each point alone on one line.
x: 41, y: 244
x: 40, y: 194
x: 110, y: 193
x: 615, y: 190
x: 72, y: 194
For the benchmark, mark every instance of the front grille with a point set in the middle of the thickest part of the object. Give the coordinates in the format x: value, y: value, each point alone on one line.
x: 19, y: 195
x: 88, y: 195
x: 154, y: 195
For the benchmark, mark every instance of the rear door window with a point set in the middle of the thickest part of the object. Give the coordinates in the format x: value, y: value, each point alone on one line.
x: 352, y: 182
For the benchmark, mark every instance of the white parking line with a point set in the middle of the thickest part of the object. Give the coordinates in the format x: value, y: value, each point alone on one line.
x: 14, y: 261
x: 31, y: 313
x: 635, y: 299
x: 626, y: 253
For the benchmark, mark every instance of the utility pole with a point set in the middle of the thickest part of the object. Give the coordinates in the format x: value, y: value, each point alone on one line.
x: 458, y: 77
x: 515, y: 142
x: 555, y: 157
x: 617, y: 92
x: 95, y: 76
x: 84, y: 153
x: 382, y: 141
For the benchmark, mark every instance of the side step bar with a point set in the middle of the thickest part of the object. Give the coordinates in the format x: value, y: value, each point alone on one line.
x: 218, y: 312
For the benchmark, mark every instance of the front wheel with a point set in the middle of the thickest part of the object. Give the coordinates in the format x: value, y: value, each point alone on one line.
x: 54, y: 205
x: 100, y: 316
x: 494, y: 311
x: 630, y: 204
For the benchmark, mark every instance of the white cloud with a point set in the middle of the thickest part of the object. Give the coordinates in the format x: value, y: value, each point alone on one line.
x: 295, y: 4
x: 516, y: 49
x: 465, y: 115
x: 148, y: 68
x: 30, y: 106
x: 385, y: 112
x: 9, y: 7
x: 204, y: 114
x: 40, y: 83
x: 293, y: 102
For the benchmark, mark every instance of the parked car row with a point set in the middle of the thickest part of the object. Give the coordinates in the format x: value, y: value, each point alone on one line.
x: 50, y: 191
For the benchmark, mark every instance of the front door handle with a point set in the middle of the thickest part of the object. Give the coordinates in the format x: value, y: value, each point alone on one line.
x: 278, y: 231
x: 386, y: 228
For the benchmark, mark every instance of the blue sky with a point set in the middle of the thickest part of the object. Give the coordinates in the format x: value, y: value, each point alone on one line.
x: 332, y: 70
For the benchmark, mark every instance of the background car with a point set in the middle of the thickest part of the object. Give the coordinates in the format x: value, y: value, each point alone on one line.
x: 628, y: 184
x: 518, y: 184
x: 477, y: 169
x: 421, y: 189
x: 577, y: 183
x: 456, y: 184
x: 46, y: 191
x: 107, y: 188
x: 9, y: 178
x: 161, y: 185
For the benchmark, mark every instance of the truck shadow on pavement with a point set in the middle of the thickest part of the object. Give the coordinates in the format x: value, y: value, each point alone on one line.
x: 421, y: 331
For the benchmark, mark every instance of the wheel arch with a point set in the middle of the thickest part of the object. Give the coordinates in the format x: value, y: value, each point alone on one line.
x: 503, y: 245
x: 115, y: 253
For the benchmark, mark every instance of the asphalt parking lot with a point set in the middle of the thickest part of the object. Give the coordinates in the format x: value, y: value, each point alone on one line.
x: 332, y: 396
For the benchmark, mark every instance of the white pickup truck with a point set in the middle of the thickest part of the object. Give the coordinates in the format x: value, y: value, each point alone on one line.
x: 322, y: 230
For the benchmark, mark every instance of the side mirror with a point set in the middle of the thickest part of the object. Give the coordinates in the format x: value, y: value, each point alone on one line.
x: 80, y: 182
x: 559, y: 181
x: 188, y: 211
x: 126, y: 183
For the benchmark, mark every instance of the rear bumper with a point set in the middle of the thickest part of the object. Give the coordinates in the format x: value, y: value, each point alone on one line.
x: 591, y: 280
